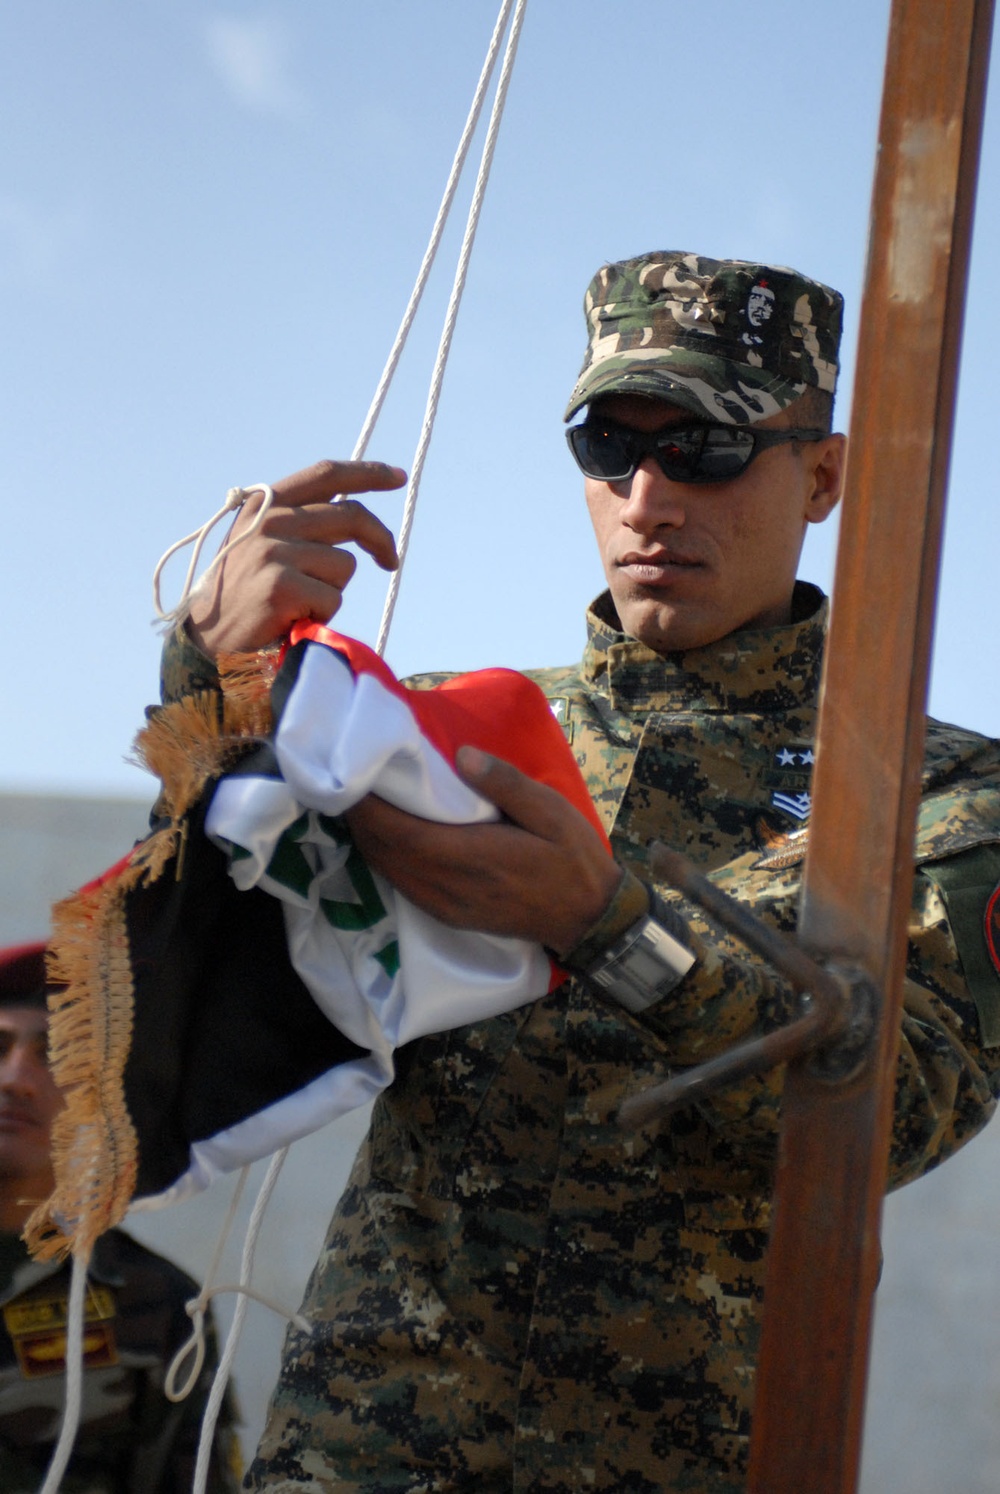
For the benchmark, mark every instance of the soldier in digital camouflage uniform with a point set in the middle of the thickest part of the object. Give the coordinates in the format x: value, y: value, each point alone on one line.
x: 132, y: 1440
x: 516, y: 1293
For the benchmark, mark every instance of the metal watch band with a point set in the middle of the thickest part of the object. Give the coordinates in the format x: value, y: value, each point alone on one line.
x: 642, y: 966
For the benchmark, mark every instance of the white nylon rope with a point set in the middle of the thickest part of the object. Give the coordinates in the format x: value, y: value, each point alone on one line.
x: 444, y: 347
x: 74, y: 1377
x: 237, y: 496
x: 197, y: 1306
x: 378, y: 400
x: 218, y: 1391
x: 234, y: 500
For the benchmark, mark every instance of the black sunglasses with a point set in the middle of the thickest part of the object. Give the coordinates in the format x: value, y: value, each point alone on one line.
x: 684, y: 453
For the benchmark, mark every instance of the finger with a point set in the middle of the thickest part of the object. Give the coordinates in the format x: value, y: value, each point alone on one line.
x: 299, y: 565
x: 325, y: 524
x: 310, y: 597
x: 325, y: 480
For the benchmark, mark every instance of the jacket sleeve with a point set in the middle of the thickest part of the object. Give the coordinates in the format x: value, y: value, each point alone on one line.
x: 184, y: 669
x: 948, y: 1072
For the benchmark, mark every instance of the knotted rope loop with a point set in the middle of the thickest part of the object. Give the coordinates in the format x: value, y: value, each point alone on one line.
x: 194, y: 1346
x: 235, y: 499
x: 198, y: 1305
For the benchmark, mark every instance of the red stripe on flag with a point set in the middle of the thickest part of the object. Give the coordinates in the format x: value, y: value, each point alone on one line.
x: 496, y: 710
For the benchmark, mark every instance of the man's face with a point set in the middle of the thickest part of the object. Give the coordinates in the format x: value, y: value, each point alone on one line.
x: 29, y: 1100
x: 687, y: 564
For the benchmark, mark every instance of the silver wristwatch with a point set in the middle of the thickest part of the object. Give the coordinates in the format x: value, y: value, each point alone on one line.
x: 643, y: 965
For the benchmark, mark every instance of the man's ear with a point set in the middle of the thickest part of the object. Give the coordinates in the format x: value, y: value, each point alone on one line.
x: 827, y: 459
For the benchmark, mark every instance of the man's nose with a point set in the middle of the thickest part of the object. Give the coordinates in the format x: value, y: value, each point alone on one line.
x: 652, y: 500
x: 19, y: 1070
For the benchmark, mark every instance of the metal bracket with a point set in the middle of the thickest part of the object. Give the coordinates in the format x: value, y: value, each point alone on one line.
x: 840, y: 1005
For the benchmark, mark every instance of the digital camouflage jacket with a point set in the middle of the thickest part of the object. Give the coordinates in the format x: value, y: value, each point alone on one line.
x: 518, y: 1295
x: 132, y: 1440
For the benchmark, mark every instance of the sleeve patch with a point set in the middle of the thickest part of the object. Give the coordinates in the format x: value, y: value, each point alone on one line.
x: 991, y: 925
x: 971, y: 890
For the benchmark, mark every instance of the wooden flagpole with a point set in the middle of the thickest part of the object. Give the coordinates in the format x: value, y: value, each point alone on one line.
x: 824, y: 1251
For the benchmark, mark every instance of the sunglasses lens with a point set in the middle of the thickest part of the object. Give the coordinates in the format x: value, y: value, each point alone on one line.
x: 706, y: 454
x: 679, y: 455
x: 698, y: 453
x: 601, y: 451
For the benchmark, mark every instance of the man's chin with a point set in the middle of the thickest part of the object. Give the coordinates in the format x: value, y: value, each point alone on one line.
x: 666, y: 627
x: 21, y: 1161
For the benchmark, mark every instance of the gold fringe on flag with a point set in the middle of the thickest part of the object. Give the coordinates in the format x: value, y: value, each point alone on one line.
x: 94, y: 1149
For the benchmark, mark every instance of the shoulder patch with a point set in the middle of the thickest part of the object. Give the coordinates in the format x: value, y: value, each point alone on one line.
x: 969, y: 884
x: 37, y: 1326
x: 991, y: 926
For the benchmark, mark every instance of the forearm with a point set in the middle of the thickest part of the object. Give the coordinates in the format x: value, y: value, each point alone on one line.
x: 945, y: 1076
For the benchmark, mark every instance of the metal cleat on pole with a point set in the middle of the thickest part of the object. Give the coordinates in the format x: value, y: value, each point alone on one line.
x: 837, y: 1025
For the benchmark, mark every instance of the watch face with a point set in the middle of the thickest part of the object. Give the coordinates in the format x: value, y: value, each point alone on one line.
x: 648, y: 969
x: 643, y: 966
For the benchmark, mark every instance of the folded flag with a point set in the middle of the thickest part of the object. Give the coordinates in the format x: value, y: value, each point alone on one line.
x: 381, y: 970
x: 241, y: 977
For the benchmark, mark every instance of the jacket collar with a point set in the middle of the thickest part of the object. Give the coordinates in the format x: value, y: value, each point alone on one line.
x: 755, y: 669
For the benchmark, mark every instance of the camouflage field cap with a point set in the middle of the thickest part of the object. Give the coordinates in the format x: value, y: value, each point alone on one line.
x: 722, y: 337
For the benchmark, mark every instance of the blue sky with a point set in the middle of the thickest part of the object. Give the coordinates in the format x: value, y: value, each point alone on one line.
x: 210, y: 221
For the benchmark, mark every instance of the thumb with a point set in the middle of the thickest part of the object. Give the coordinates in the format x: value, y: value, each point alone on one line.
x: 521, y: 799
x: 473, y: 764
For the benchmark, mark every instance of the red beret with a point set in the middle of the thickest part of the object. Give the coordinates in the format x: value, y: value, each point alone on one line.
x: 22, y: 975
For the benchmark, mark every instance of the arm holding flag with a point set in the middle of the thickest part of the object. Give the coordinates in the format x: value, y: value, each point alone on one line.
x: 500, y: 881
